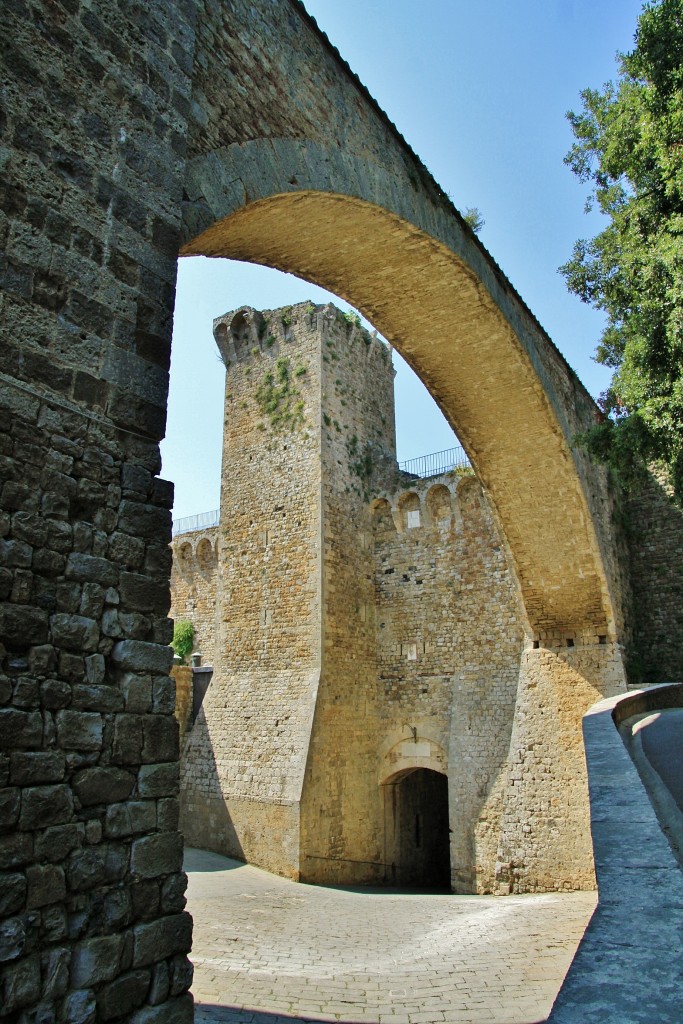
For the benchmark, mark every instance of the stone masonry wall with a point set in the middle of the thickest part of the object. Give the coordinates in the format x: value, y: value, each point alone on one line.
x: 194, y: 582
x: 245, y: 758
x: 93, y: 99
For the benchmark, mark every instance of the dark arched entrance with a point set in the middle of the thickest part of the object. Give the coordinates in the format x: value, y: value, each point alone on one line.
x: 417, y: 849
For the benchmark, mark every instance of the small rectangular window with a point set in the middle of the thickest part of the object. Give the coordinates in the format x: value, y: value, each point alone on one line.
x: 413, y: 518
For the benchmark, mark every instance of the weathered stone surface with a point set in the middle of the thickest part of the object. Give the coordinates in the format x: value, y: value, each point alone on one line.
x: 79, y: 730
x: 23, y: 624
x: 133, y: 817
x: 46, y: 884
x: 20, y: 985
x: 161, y: 939
x: 12, y: 893
x: 80, y: 1007
x: 101, y: 785
x: 45, y: 805
x: 75, y: 632
x: 86, y: 568
x: 12, y: 938
x: 28, y: 769
x: 20, y: 729
x: 123, y: 995
x: 95, y: 960
x: 136, y: 656
x: 155, y: 780
x: 175, y: 1011
x: 157, y: 855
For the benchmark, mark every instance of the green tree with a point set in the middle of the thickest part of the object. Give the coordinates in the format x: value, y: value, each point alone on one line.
x: 183, y: 639
x: 473, y: 217
x: 629, y: 147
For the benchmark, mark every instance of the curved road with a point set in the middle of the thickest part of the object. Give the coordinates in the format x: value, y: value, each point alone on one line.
x: 270, y: 951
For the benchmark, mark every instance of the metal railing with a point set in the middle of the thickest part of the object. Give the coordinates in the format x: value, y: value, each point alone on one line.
x: 203, y: 521
x: 437, y: 463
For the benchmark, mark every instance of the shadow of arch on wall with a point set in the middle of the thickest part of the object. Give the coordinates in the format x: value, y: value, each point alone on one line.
x: 419, y: 275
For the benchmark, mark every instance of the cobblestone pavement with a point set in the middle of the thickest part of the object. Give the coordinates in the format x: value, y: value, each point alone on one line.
x: 270, y: 951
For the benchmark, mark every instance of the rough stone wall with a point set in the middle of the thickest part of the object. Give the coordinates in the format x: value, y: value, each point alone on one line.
x: 449, y: 636
x: 654, y: 528
x: 194, y: 582
x: 92, y: 123
x: 249, y: 744
x: 341, y: 821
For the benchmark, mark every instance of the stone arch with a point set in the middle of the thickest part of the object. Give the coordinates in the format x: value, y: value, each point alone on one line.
x: 439, y: 506
x: 185, y: 555
x: 205, y: 555
x: 383, y: 526
x: 410, y: 513
x: 334, y: 219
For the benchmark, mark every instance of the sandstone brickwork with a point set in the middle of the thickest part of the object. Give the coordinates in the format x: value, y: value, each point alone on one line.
x: 194, y: 587
x: 370, y: 627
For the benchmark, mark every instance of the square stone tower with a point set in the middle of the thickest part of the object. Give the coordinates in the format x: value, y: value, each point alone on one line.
x: 309, y: 434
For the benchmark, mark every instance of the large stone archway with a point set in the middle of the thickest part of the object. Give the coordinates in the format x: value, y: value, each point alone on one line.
x: 130, y: 130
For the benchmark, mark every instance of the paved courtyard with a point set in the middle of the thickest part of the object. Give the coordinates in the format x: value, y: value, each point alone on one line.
x: 270, y: 951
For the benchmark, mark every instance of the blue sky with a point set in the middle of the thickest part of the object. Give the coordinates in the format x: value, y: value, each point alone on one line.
x: 480, y: 92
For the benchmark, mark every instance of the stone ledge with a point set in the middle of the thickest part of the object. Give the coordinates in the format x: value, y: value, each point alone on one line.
x: 626, y: 969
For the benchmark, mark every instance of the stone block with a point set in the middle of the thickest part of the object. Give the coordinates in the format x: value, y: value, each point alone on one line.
x: 74, y: 632
x: 137, y: 656
x: 144, y: 593
x: 123, y: 995
x: 96, y: 697
x: 95, y: 960
x: 20, y: 984
x: 55, y: 972
x: 10, y: 804
x: 128, y: 739
x: 175, y: 1011
x: 168, y: 814
x: 12, y: 938
x: 45, y: 805
x: 12, y: 892
x: 157, y: 855
x: 23, y: 624
x: 20, y: 729
x: 161, y: 984
x: 164, y: 695
x: 137, y: 692
x: 54, y: 926
x: 34, y: 767
x: 54, y: 844
x: 46, y: 884
x: 80, y: 1007
x: 126, y: 550
x: 133, y: 817
x: 16, y: 848
x: 94, y: 669
x: 102, y: 785
x: 173, y: 893
x: 145, y: 521
x: 42, y: 659
x: 85, y: 568
x: 160, y: 939
x: 161, y: 742
x: 182, y: 972
x: 92, y: 600
x: 30, y: 528
x: 79, y: 730
x: 15, y: 554
x: 55, y: 694
x: 157, y: 780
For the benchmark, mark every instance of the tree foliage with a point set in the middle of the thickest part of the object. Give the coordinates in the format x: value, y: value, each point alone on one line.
x: 183, y: 639
x: 629, y: 148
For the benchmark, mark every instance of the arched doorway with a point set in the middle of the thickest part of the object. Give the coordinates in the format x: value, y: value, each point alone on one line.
x: 416, y: 831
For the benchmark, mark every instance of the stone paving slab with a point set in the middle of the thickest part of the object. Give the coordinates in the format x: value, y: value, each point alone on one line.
x: 270, y: 951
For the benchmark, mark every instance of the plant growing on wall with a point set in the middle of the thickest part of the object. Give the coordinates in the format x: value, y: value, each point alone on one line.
x: 278, y: 399
x: 183, y: 639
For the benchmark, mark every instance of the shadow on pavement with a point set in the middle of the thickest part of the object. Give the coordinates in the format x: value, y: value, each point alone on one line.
x: 212, y: 1013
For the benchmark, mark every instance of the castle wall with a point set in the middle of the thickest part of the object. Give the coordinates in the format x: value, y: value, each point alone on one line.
x: 341, y: 819
x: 244, y: 759
x: 194, y: 587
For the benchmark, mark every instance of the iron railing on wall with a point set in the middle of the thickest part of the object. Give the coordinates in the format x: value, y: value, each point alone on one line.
x: 437, y: 463
x: 203, y: 521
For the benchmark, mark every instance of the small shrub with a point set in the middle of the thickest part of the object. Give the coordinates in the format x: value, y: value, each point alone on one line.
x: 183, y: 639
